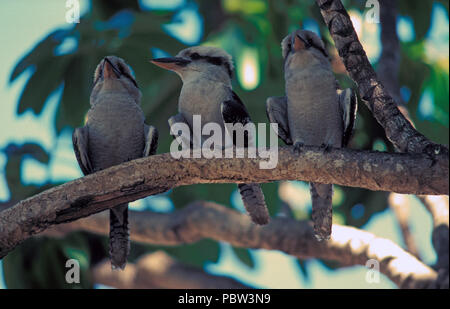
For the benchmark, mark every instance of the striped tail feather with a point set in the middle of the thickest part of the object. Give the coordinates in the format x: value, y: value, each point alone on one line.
x: 119, y: 236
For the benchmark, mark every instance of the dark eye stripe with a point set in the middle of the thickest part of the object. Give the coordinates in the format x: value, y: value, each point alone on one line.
x: 195, y: 56
x: 219, y: 61
x: 130, y: 78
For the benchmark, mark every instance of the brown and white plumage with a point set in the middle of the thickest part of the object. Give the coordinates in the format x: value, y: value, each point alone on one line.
x: 313, y: 112
x: 206, y: 73
x: 114, y: 133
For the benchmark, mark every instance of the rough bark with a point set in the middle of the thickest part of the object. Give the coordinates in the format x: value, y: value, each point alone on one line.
x: 397, y: 128
x: 349, y: 246
x: 160, y: 271
x: 403, y: 173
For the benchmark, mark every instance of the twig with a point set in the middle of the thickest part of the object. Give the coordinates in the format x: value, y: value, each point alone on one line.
x: 438, y: 206
x: 401, y: 207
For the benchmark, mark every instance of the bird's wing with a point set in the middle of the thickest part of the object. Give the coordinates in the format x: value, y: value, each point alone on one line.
x: 276, y: 109
x: 348, y: 104
x: 151, y: 140
x: 80, y: 138
x: 233, y: 112
x: 179, y: 118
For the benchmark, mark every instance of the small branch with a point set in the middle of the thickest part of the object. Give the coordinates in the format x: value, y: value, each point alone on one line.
x: 403, y: 173
x: 160, y: 271
x: 438, y: 206
x: 397, y: 128
x: 199, y: 220
x: 400, y: 206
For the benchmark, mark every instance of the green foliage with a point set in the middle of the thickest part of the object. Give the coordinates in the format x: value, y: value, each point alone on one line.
x: 40, y: 263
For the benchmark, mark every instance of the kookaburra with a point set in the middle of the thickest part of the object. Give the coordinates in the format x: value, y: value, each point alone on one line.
x: 114, y: 133
x: 313, y: 112
x: 206, y: 74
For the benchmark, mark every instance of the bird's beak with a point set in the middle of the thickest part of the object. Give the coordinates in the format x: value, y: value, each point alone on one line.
x: 109, y: 70
x: 299, y: 43
x: 171, y: 63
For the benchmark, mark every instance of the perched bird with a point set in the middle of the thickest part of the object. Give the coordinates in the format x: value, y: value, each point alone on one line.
x: 206, y: 73
x: 114, y: 133
x: 313, y: 112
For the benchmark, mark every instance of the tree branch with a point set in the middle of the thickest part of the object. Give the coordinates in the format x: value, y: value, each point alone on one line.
x: 349, y: 246
x: 403, y: 173
x: 397, y: 128
x: 401, y: 208
x: 438, y: 206
x: 160, y: 271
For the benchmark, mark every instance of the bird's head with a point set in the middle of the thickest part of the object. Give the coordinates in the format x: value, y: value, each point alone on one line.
x: 305, y: 47
x: 114, y: 75
x: 204, y: 61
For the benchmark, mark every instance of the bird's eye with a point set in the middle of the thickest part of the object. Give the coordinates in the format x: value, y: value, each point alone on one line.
x: 195, y: 56
x: 215, y: 60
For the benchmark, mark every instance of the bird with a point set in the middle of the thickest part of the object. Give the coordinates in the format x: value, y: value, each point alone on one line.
x: 314, y: 111
x: 114, y: 132
x: 206, y: 73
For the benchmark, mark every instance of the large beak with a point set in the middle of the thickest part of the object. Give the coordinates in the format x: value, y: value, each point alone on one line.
x: 171, y: 63
x: 299, y: 43
x: 109, y: 70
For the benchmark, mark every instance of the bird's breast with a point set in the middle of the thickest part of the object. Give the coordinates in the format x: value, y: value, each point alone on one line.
x: 116, y: 133
x: 204, y: 98
x: 313, y: 110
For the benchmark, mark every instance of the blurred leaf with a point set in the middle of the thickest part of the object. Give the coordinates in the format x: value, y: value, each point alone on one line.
x: 38, y: 56
x: 46, y: 79
x: 420, y: 12
x: 196, y: 254
x: 104, y: 9
x: 246, y: 7
x: 40, y: 263
x: 219, y: 193
x: 13, y: 169
x: 244, y: 256
x: 303, y: 267
x: 75, y: 97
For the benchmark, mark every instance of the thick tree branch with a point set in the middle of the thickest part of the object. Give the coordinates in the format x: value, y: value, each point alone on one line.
x: 160, y: 271
x: 398, y: 129
x: 199, y: 220
x: 403, y: 173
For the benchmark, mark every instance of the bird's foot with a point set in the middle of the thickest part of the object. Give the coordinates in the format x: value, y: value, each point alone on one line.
x: 326, y: 147
x: 297, y: 150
